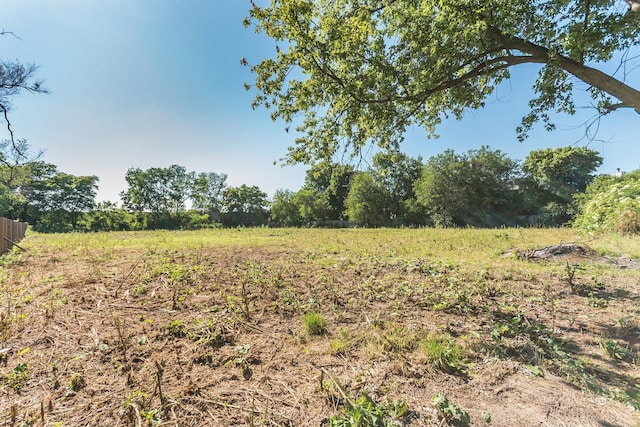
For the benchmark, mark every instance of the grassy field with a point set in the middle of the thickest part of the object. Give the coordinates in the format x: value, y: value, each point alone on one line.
x: 284, y: 327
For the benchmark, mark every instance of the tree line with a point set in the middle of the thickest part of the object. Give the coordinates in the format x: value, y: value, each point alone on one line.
x: 155, y: 198
x: 481, y: 188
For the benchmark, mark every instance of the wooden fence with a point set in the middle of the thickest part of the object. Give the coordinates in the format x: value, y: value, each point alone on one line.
x: 11, y: 232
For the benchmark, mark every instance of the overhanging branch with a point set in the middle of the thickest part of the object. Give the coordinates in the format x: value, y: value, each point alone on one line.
x: 596, y: 78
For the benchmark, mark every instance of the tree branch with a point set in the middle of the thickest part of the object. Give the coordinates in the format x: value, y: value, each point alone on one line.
x: 12, y: 138
x: 378, y: 9
x: 612, y: 107
x: 625, y: 93
x: 3, y: 32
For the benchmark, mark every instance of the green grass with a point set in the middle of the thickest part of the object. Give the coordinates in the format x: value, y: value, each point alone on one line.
x: 445, y: 353
x: 467, y: 244
x: 315, y: 323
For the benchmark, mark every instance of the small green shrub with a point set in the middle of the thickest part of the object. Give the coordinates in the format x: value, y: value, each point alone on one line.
x: 315, y: 323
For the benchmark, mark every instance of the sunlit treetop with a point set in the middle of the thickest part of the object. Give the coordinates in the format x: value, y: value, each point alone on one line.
x: 349, y: 73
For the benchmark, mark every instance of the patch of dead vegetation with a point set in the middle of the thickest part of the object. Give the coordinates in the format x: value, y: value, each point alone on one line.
x: 573, y: 251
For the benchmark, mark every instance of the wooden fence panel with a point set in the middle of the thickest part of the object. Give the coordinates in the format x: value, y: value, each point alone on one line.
x: 10, y: 232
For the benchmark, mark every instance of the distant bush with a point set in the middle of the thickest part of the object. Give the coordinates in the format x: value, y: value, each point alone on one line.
x: 611, y: 204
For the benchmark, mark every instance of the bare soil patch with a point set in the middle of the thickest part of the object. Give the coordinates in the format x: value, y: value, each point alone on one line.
x: 215, y: 335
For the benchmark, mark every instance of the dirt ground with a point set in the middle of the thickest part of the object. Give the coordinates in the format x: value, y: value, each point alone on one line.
x: 215, y: 336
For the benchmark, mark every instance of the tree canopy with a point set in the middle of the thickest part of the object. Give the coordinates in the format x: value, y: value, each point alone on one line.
x: 362, y: 71
x: 474, y: 188
x: 563, y: 171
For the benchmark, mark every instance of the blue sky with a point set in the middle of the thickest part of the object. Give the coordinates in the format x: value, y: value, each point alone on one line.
x: 141, y: 83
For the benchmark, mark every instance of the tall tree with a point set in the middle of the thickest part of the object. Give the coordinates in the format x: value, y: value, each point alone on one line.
x: 207, y: 191
x: 72, y: 196
x: 161, y: 191
x: 366, y: 202
x: 397, y: 173
x: 284, y: 211
x: 552, y: 177
x: 244, y: 205
x: 48, y: 199
x: 562, y: 172
x: 471, y: 188
x: 312, y: 206
x: 32, y: 191
x: 107, y: 216
x: 361, y: 71
x: 332, y: 180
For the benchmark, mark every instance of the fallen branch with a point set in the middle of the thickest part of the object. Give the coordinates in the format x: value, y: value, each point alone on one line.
x: 15, y: 244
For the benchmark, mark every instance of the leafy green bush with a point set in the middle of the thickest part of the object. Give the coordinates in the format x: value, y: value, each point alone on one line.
x: 611, y: 204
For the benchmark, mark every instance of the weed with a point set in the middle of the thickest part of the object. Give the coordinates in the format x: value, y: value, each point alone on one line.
x: 315, y: 323
x: 596, y: 302
x: 133, y: 406
x: 151, y: 416
x: 535, y: 370
x: 618, y: 351
x: 445, y: 353
x: 140, y: 290
x: 366, y: 412
x: 451, y: 412
x: 242, y: 361
x: 534, y: 343
x: 626, y: 329
x: 177, y: 329
x: 120, y: 325
x: 343, y: 343
x: 392, y: 339
x: 629, y: 396
x: 242, y: 351
x: 77, y: 382
x: 570, y: 274
x: 176, y: 277
x: 626, y: 322
x: 289, y: 300
x: 17, y: 378
x: 207, y: 332
x: 456, y: 297
x: 158, y: 384
x: 245, y: 300
x: 530, y: 342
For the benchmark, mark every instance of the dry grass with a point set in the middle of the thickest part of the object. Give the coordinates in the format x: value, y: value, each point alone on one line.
x: 209, y: 328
